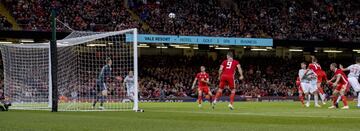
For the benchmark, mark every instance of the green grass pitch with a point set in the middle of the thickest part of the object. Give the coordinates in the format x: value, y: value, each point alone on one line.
x: 247, y: 116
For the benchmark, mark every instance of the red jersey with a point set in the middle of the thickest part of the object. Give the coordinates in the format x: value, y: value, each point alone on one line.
x: 298, y: 81
x: 201, y: 76
x: 315, y: 67
x: 229, y: 67
x: 343, y: 78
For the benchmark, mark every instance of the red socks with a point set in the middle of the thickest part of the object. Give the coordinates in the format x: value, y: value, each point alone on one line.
x: 199, y: 99
x: 218, y: 94
x: 343, y: 98
x: 232, y: 96
x: 334, y: 99
x: 321, y: 90
x: 301, y: 99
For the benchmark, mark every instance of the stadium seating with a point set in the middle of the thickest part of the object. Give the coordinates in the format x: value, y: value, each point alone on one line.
x: 79, y: 15
x: 261, y: 78
x: 297, y: 20
x: 4, y: 24
x: 294, y: 20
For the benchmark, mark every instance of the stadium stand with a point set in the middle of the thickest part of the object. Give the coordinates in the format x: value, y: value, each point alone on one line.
x: 291, y: 20
x: 298, y: 20
x: 168, y: 76
x: 4, y: 24
x: 80, y: 15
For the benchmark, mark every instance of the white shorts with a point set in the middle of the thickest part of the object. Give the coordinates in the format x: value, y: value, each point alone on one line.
x: 308, y: 87
x: 354, y: 83
x: 314, y: 84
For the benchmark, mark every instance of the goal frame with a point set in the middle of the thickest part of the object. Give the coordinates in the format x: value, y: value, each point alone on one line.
x: 75, y: 41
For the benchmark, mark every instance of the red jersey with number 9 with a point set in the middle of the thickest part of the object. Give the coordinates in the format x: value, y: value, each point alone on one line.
x: 229, y: 67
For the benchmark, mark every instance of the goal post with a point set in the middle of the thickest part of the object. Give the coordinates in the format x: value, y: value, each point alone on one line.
x: 136, y: 72
x: 83, y: 73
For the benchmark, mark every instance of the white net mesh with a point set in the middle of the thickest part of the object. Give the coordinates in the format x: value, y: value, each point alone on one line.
x: 81, y: 78
x: 75, y: 34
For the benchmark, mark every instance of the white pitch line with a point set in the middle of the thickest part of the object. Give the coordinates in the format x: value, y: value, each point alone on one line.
x: 254, y: 114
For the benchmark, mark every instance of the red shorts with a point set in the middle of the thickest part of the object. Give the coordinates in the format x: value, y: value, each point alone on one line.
x: 227, y: 80
x: 204, y: 89
x: 347, y: 88
x: 339, y: 87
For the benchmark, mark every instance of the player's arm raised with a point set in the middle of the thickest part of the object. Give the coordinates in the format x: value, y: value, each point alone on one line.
x: 343, y: 69
x: 240, y: 71
x: 220, y: 70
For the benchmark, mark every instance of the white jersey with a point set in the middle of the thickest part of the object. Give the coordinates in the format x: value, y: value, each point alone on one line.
x: 354, y: 70
x: 308, y: 77
x: 129, y: 80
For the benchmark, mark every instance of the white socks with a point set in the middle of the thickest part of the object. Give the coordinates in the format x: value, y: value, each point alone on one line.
x: 338, y: 99
x: 316, y: 99
x: 322, y: 97
x: 358, y: 104
x: 308, y: 99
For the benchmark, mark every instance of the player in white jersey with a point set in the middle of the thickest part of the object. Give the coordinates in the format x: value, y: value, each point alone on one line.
x: 353, y: 77
x: 129, y: 84
x: 308, y: 83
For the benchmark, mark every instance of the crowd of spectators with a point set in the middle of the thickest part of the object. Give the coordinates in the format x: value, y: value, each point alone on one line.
x: 4, y: 24
x: 165, y: 76
x: 85, y: 15
x: 281, y: 19
x: 172, y: 76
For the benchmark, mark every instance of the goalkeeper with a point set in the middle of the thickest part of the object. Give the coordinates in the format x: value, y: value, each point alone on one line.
x: 101, y: 89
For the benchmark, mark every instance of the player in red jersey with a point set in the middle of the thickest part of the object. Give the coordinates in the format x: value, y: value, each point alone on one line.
x: 300, y: 91
x: 203, y: 82
x: 321, y: 76
x: 340, y: 85
x: 226, y: 77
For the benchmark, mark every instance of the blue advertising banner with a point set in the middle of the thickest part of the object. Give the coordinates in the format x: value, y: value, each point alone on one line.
x: 148, y: 38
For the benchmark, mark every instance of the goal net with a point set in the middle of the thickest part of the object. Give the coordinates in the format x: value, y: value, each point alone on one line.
x: 91, y: 72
